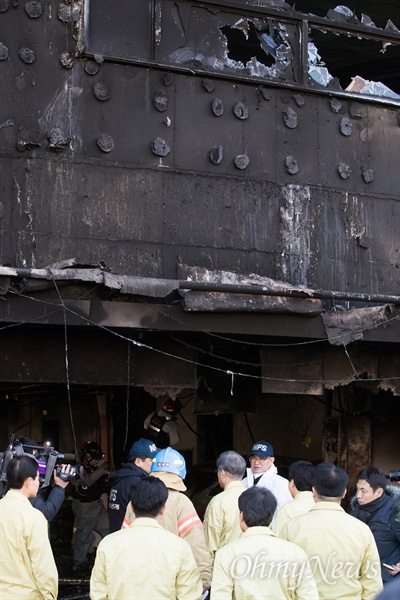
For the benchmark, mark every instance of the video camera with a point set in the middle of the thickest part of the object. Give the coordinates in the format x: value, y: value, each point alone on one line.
x: 46, y: 458
x: 393, y: 476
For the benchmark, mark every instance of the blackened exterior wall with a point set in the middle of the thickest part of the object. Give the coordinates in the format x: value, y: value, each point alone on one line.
x: 317, y: 204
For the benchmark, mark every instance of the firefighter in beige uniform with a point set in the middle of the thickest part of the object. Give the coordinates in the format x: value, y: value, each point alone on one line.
x: 180, y: 516
x: 145, y: 561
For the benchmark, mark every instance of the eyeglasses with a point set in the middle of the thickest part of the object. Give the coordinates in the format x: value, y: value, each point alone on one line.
x: 258, y: 458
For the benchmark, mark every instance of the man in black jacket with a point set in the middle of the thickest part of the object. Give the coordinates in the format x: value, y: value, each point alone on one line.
x: 49, y: 499
x: 121, y: 481
x: 378, y: 505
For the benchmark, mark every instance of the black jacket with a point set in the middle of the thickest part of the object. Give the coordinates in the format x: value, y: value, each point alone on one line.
x: 120, y: 483
x: 49, y: 501
x: 384, y: 522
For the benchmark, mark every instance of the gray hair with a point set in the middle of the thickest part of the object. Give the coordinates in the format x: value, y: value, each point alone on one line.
x: 232, y: 463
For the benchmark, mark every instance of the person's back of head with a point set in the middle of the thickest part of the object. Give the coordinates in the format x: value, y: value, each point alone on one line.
x: 257, y: 506
x: 329, y: 482
x: 28, y: 443
x: 148, y: 496
x: 19, y: 469
x: 301, y: 473
x: 232, y: 463
x: 374, y: 476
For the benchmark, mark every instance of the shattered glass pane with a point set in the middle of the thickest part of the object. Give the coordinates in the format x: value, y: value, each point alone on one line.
x: 284, y: 54
x: 182, y: 55
x: 257, y: 69
x: 243, y: 26
x: 343, y: 14
x: 268, y: 44
x: 234, y: 64
x: 263, y: 51
x: 390, y: 26
x: 367, y: 21
x: 372, y: 88
x: 352, y: 58
x: 194, y: 36
x: 316, y: 69
x: 344, y: 10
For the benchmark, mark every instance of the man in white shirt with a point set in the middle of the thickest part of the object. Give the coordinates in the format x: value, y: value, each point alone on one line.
x: 264, y: 473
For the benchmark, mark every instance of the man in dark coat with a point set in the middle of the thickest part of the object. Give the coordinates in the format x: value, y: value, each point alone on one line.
x: 378, y: 505
x: 49, y: 499
x: 138, y: 466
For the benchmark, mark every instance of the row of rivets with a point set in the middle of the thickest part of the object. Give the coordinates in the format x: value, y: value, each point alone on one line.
x: 33, y: 8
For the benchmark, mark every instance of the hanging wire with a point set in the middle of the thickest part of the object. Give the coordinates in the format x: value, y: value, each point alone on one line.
x: 355, y: 373
x: 242, y: 362
x: 232, y: 380
x: 127, y: 398
x: 218, y: 369
x: 67, y: 364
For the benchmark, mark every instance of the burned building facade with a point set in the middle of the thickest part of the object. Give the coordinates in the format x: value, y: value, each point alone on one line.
x: 199, y: 200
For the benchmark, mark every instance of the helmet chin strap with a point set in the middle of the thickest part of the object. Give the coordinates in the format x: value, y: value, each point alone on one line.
x: 88, y: 465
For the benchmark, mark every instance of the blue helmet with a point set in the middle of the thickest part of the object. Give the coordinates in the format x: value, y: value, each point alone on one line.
x: 169, y: 460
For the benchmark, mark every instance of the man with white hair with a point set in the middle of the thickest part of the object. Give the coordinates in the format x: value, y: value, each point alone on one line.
x: 221, y: 519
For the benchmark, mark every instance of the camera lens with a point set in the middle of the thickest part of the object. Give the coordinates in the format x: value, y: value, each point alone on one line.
x: 394, y: 475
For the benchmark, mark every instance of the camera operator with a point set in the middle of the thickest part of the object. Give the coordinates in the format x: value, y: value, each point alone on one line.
x: 49, y: 499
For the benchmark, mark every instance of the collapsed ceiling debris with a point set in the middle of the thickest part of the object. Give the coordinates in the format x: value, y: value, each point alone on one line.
x: 314, y: 370
x: 346, y: 326
x: 205, y: 291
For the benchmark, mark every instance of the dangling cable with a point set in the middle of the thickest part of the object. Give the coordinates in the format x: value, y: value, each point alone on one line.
x: 67, y: 364
x: 344, y: 345
x: 232, y: 374
x: 127, y: 397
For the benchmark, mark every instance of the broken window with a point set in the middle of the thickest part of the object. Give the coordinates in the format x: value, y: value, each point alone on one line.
x: 356, y: 64
x: 263, y: 39
x: 262, y: 48
x: 316, y: 67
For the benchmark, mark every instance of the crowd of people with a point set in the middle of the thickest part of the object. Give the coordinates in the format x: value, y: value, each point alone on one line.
x: 262, y: 536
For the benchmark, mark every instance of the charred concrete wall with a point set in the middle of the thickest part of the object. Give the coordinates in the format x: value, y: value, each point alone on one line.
x: 143, y: 167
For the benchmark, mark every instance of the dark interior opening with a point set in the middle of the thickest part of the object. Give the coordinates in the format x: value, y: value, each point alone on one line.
x: 242, y: 49
x: 347, y: 56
